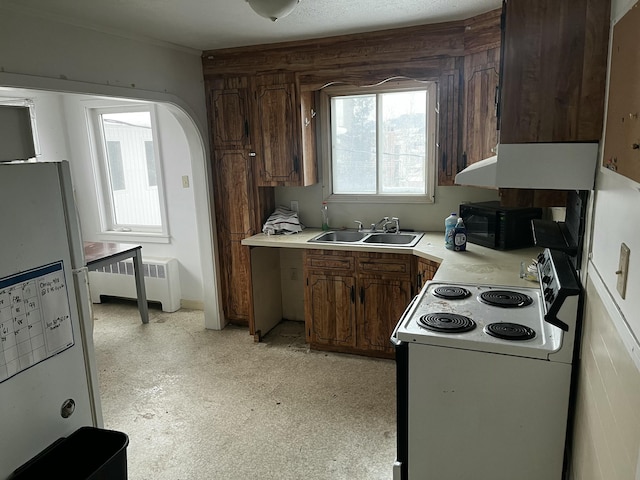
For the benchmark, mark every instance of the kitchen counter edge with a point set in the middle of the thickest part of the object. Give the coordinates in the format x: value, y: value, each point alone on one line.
x: 478, y: 265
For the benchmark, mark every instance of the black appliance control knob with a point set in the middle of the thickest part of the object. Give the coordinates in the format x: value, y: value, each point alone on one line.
x: 541, y: 258
x: 546, y: 279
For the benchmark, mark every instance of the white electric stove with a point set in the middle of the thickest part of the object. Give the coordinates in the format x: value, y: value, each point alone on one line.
x: 484, y: 376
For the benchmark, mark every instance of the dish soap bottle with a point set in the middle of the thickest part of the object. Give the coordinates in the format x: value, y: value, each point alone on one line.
x: 449, y: 226
x: 325, y: 216
x: 460, y: 236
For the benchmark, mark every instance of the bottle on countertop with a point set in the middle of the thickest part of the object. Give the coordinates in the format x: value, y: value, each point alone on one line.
x: 449, y: 226
x: 460, y: 236
x: 325, y: 216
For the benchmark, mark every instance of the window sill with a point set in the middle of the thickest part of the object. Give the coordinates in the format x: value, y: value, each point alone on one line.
x: 395, y: 199
x: 134, y: 237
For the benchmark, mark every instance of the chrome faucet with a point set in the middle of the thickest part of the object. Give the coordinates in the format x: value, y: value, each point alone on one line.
x: 383, y: 221
x: 396, y: 224
x: 359, y: 224
x: 391, y: 226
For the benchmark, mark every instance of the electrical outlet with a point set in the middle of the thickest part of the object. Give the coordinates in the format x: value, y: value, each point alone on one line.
x: 294, y: 274
x: 185, y: 181
x: 623, y: 270
x: 294, y: 205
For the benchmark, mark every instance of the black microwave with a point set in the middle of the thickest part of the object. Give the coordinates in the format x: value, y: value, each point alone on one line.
x: 502, y: 228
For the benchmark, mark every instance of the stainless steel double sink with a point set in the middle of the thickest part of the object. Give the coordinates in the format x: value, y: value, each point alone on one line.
x: 352, y: 237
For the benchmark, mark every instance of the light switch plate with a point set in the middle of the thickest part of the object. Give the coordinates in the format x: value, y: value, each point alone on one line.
x: 623, y: 270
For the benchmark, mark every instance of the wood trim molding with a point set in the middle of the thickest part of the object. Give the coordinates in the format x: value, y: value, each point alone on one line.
x: 401, y: 47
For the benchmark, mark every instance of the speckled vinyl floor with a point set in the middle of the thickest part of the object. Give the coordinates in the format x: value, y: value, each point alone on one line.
x: 202, y: 404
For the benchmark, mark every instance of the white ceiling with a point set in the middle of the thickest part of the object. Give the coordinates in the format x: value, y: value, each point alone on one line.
x: 212, y: 24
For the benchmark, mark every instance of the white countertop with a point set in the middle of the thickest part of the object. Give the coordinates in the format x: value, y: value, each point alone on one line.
x: 475, y: 265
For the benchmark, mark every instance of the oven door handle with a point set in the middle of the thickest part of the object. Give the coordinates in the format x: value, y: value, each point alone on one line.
x: 394, y: 336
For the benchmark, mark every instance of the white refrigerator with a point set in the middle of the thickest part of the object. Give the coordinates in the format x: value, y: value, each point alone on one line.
x: 48, y: 376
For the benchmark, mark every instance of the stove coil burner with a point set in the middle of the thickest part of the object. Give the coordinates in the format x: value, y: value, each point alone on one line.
x: 505, y: 299
x: 451, y: 293
x: 510, y: 331
x: 446, y: 322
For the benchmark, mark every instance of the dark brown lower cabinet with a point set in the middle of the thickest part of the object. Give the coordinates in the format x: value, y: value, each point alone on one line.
x: 353, y: 300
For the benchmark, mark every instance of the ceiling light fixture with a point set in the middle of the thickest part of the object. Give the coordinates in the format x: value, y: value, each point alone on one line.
x: 273, y: 9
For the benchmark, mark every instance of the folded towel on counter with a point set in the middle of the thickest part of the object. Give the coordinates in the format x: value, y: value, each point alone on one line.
x: 284, y: 221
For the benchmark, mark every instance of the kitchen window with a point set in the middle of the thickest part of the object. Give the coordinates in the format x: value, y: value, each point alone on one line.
x: 381, y: 143
x: 130, y: 187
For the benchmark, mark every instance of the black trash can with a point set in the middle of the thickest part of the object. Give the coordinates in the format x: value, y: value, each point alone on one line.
x: 89, y: 453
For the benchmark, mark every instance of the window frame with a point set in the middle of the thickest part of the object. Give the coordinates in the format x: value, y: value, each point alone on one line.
x: 432, y: 133
x: 108, y: 225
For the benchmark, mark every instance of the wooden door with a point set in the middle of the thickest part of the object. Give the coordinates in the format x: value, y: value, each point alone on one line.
x: 234, y: 194
x: 449, y: 156
x: 554, y: 71
x: 234, y: 216
x: 330, y: 307
x: 276, y: 120
x: 381, y: 302
x: 480, y: 92
x: 426, y: 270
x: 385, y: 288
x: 235, y: 268
x: 230, y: 117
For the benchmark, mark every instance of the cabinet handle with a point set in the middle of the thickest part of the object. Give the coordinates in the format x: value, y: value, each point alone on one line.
x: 252, y: 154
x: 353, y: 294
x: 497, y: 106
x: 246, y: 128
x: 419, y: 280
x: 296, y: 164
x: 361, y: 294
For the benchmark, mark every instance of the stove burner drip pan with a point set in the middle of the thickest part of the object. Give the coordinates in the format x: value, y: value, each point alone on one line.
x: 451, y: 292
x: 510, y: 331
x: 505, y: 299
x: 446, y: 322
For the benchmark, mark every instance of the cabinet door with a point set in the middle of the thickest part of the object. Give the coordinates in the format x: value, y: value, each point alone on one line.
x: 330, y: 309
x: 449, y: 157
x: 234, y: 192
x: 426, y: 270
x: 276, y: 120
x: 234, y: 216
x: 381, y: 302
x: 235, y: 273
x: 385, y: 288
x: 230, y: 116
x: 480, y: 91
x: 554, y: 71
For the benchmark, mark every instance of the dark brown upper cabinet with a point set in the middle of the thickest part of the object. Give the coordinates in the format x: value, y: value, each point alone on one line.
x: 554, y: 70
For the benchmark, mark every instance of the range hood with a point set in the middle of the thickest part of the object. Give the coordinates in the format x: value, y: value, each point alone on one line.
x: 552, y: 166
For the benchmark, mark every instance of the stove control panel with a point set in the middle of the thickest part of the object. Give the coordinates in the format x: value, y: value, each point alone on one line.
x: 558, y: 280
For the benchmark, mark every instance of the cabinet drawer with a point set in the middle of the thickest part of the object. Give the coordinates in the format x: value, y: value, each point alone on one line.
x: 384, y: 263
x: 329, y: 260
